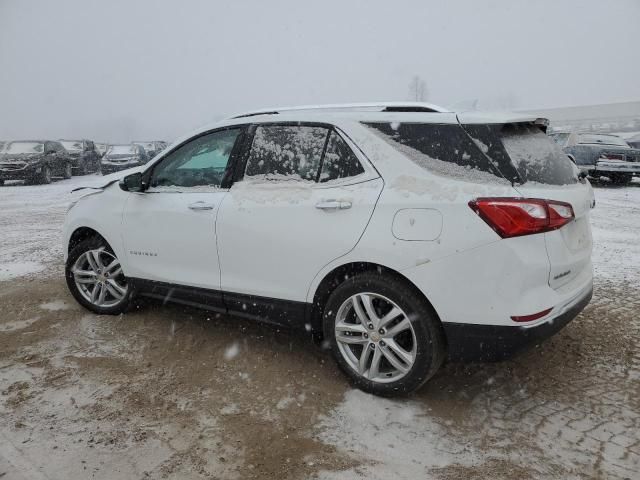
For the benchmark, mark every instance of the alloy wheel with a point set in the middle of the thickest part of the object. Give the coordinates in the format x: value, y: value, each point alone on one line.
x: 375, y: 337
x: 99, y: 278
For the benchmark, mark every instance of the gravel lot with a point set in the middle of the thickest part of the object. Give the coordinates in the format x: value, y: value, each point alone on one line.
x: 165, y: 392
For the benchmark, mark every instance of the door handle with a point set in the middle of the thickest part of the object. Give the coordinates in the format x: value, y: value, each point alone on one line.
x: 202, y: 206
x: 333, y: 205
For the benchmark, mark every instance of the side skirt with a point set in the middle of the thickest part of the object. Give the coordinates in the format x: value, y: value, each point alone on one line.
x: 285, y: 313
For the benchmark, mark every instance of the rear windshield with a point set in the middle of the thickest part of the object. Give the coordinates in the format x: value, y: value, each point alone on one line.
x: 516, y: 153
x: 536, y: 157
x: 602, y: 139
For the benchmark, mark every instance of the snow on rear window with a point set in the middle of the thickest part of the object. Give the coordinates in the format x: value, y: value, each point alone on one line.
x: 536, y: 156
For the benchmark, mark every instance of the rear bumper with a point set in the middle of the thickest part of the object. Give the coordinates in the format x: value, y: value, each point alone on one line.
x: 471, y: 342
x: 604, y: 167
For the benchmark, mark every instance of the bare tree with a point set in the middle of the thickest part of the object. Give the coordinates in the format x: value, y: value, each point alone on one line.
x: 418, y: 90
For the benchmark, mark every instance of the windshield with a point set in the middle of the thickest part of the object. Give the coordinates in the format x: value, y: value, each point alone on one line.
x: 72, y: 145
x: 146, y: 145
x: 119, y: 150
x: 24, y: 147
x: 602, y: 139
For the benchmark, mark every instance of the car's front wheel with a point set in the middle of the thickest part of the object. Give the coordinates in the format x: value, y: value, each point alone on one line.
x: 383, y: 334
x: 621, y: 178
x: 43, y: 177
x: 95, y: 277
x: 68, y: 171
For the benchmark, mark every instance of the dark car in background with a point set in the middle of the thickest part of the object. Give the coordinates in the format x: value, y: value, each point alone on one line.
x: 601, y: 155
x: 152, y: 148
x: 121, y: 157
x: 34, y: 161
x: 85, y: 159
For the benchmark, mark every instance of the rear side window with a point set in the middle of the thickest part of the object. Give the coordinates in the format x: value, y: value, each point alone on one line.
x: 445, y: 149
x: 339, y: 160
x: 286, y: 150
x: 518, y: 153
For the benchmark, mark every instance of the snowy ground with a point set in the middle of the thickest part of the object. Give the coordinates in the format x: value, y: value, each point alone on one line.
x: 169, y: 393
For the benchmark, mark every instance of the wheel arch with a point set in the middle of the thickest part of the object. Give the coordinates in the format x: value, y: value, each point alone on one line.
x: 82, y: 233
x: 345, y: 271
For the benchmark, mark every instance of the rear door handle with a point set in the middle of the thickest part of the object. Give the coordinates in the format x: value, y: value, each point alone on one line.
x: 202, y: 206
x: 333, y: 205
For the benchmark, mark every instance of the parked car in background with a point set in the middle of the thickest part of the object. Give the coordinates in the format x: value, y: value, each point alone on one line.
x: 2, y: 144
x: 85, y: 159
x: 601, y: 155
x: 101, y: 148
x: 121, y: 157
x: 34, y: 161
x: 634, y: 141
x: 153, y: 147
x: 403, y: 232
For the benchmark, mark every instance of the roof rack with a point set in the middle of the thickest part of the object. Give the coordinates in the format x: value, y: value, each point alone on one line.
x: 376, y: 107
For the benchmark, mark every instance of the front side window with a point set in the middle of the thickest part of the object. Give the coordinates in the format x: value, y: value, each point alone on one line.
x: 201, y: 162
x: 294, y: 152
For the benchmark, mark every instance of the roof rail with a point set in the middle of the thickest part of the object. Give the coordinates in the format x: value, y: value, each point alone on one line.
x: 376, y: 107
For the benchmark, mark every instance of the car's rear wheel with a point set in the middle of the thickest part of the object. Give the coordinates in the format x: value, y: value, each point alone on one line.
x: 95, y: 277
x: 383, y: 334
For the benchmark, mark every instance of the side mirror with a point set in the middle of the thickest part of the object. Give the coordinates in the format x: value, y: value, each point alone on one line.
x: 132, y: 183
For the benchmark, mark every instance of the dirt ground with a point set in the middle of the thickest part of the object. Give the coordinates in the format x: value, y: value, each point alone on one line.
x: 165, y: 392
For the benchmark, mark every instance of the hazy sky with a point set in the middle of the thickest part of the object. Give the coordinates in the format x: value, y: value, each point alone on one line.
x: 118, y: 69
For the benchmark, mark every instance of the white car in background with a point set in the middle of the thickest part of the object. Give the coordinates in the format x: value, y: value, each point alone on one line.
x: 403, y: 232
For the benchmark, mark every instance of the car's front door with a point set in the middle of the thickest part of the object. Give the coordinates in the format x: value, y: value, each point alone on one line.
x: 169, y: 230
x: 305, y: 200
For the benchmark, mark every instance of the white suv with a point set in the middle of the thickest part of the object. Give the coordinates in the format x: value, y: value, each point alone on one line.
x: 404, y: 233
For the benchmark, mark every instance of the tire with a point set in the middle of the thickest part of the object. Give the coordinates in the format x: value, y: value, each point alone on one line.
x: 422, y: 338
x: 93, y: 256
x: 68, y: 171
x: 44, y: 177
x: 620, y: 178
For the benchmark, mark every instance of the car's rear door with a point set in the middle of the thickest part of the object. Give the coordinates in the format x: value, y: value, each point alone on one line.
x: 304, y: 200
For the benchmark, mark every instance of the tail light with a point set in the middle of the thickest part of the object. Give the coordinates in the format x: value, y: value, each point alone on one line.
x: 514, y: 217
